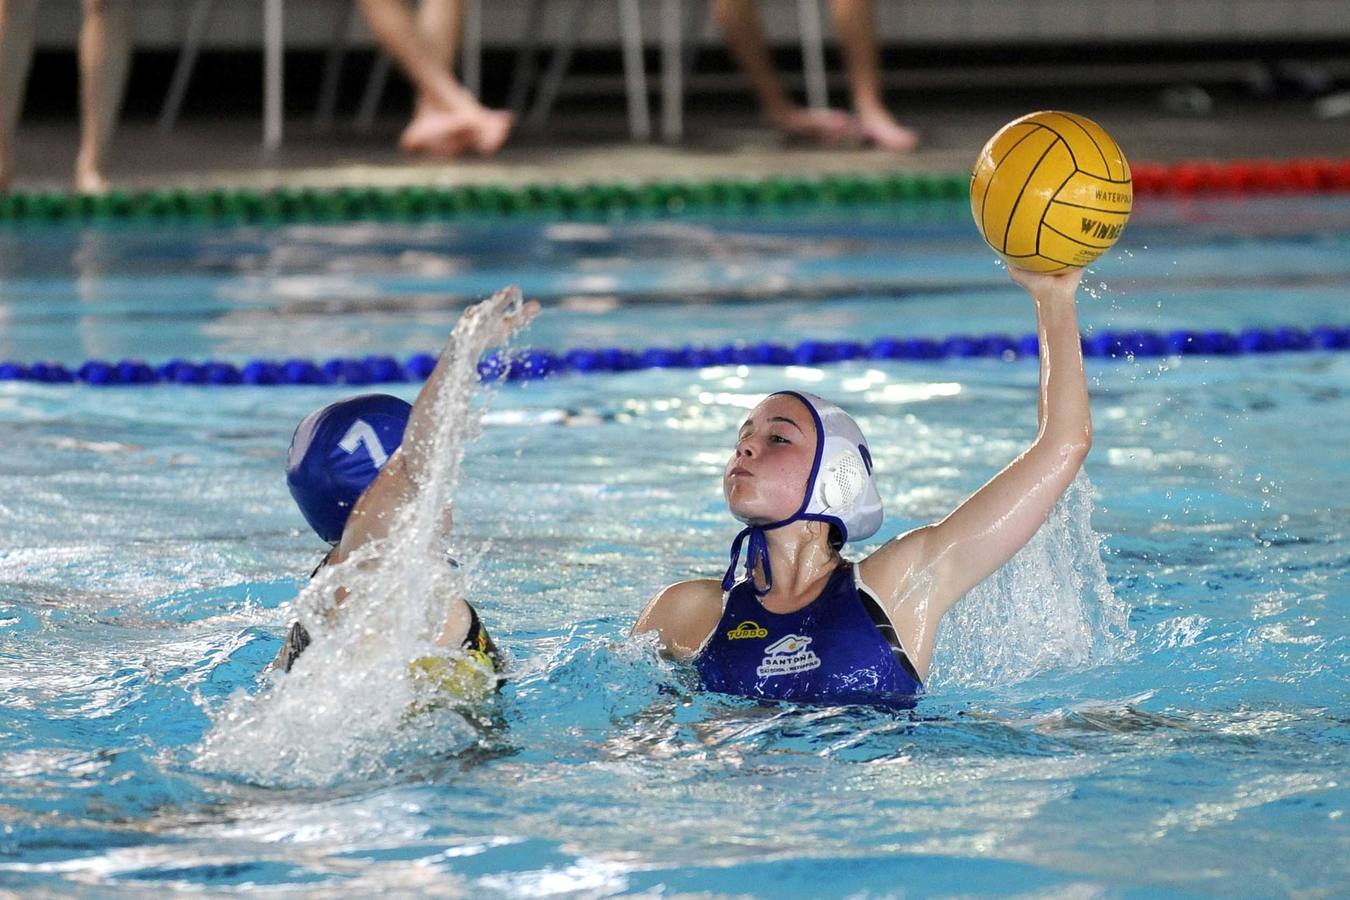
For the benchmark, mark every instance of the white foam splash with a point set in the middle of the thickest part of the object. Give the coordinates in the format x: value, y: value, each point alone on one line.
x: 344, y: 710
x: 1049, y: 607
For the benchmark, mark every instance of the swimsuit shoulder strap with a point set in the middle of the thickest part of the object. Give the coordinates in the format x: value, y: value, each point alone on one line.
x: 868, y: 598
x: 323, y: 562
x: 726, y: 597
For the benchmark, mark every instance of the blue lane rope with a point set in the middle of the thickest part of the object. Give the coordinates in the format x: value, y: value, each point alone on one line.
x: 526, y: 365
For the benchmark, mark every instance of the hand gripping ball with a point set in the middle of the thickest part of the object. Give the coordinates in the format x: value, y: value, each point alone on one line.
x: 1051, y: 191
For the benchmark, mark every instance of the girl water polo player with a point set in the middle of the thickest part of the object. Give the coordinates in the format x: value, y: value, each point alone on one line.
x: 804, y: 624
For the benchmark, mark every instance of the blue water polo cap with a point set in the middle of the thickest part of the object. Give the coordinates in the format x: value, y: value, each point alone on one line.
x: 336, y: 453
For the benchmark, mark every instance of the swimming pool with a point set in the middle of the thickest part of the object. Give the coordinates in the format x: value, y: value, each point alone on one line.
x: 1165, y: 715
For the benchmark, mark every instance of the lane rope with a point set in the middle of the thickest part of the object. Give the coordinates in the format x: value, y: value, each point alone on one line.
x: 223, y: 206
x: 530, y: 364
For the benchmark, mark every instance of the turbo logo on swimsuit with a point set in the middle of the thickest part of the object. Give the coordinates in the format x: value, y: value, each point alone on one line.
x: 747, y: 630
x: 788, y: 655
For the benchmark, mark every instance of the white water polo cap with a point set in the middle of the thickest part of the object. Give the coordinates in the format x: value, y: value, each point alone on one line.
x: 841, y: 490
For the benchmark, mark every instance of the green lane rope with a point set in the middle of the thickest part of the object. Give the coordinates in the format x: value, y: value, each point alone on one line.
x: 415, y: 204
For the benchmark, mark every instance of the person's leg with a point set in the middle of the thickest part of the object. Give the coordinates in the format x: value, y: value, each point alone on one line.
x: 448, y: 120
x: 440, y: 23
x: 16, y: 52
x: 105, y: 52
x: 744, y: 34
x: 854, y: 24
x: 396, y: 30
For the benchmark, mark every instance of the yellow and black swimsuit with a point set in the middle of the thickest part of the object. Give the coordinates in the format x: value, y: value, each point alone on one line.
x: 471, y: 674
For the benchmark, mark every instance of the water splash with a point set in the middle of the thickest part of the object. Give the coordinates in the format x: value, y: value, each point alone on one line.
x: 351, y: 708
x: 1049, y: 607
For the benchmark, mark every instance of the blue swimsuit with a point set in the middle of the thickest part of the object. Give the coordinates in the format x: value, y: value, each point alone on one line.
x: 839, y: 648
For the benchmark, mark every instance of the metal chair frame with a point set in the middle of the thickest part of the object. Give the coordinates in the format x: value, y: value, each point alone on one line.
x: 676, y: 20
x: 199, y: 22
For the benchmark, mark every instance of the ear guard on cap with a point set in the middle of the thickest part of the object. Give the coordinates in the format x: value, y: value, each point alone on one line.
x: 841, y: 491
x: 337, y: 452
x: 841, y: 481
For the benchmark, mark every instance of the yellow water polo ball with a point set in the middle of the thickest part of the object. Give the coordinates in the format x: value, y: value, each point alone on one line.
x: 1051, y: 191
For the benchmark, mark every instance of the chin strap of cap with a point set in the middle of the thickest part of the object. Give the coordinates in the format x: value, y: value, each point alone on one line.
x: 758, y: 552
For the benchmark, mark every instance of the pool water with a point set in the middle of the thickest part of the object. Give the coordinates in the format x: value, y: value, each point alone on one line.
x: 1151, y: 699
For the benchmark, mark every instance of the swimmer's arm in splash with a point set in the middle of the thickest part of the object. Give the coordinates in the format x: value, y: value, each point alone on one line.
x: 683, y: 616
x: 923, y: 573
x: 411, y: 464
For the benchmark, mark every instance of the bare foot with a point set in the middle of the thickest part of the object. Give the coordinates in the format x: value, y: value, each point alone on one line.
x: 821, y: 126
x: 880, y: 129
x: 451, y: 134
x: 90, y: 181
x: 493, y: 130
x: 441, y: 134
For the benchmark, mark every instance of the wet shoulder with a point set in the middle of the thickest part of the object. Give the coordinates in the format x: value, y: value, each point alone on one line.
x: 684, y: 614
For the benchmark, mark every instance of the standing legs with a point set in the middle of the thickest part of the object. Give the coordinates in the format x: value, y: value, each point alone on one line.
x: 447, y: 120
x: 105, y: 54
x: 854, y: 24
x: 740, y: 23
x: 744, y: 33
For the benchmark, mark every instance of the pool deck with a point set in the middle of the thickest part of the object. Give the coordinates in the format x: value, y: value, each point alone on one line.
x: 593, y: 147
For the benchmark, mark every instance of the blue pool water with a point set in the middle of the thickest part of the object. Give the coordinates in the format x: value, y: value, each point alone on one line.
x: 1155, y: 704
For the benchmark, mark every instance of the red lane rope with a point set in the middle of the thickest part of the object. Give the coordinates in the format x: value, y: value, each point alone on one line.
x: 1314, y: 175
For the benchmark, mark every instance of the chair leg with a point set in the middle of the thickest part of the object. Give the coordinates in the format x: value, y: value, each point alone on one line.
x: 696, y: 24
x: 472, y: 52
x: 551, y: 83
x: 813, y: 53
x: 370, y: 97
x: 635, y: 71
x: 332, y: 69
x: 273, y: 76
x: 672, y: 70
x: 198, y: 22
x: 523, y: 73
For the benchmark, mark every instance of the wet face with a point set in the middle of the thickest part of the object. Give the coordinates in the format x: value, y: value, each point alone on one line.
x: 765, y: 479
